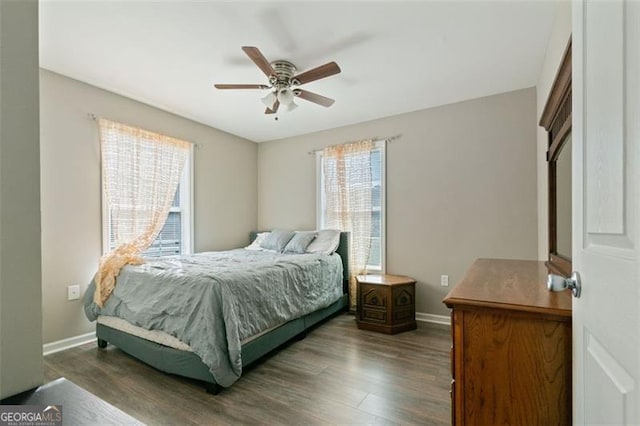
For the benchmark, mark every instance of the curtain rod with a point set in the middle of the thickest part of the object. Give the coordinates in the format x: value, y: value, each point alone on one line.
x: 387, y: 139
x: 94, y: 117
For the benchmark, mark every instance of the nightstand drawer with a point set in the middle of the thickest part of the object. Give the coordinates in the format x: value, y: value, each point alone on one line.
x: 374, y: 315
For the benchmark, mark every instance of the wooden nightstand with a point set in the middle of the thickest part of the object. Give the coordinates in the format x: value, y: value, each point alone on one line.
x: 386, y: 303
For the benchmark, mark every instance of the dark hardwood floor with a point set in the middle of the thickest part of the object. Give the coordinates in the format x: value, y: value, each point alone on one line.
x: 337, y: 374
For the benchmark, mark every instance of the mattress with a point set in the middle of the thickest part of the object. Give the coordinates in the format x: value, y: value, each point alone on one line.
x: 157, y: 336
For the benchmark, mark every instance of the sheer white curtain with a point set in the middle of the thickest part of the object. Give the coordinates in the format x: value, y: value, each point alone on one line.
x: 141, y: 171
x: 347, y: 186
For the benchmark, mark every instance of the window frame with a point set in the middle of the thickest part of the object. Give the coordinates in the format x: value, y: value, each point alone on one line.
x: 379, y: 145
x: 185, y: 209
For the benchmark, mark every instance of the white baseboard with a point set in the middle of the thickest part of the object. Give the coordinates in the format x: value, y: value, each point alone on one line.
x: 436, y: 319
x: 68, y: 343
x: 72, y: 342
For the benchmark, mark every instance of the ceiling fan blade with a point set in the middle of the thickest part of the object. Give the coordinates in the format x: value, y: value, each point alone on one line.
x: 314, y: 97
x: 317, y: 73
x: 256, y: 56
x: 240, y: 86
x: 274, y: 108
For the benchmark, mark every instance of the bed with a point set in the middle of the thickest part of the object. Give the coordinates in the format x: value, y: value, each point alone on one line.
x: 198, y: 351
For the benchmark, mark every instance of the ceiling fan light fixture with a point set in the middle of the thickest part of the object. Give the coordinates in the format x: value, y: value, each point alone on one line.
x: 269, y: 99
x: 291, y: 106
x: 285, y: 96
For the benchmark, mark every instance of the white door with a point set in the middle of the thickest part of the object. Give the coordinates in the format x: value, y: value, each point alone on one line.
x: 606, y: 137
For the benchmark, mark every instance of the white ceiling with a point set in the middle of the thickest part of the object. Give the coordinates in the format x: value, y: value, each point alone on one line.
x: 396, y: 56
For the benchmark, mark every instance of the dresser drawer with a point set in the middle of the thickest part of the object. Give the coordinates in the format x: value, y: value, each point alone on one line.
x: 452, y: 394
x: 452, y: 362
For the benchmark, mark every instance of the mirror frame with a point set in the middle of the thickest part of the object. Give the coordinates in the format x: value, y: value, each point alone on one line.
x: 556, y: 120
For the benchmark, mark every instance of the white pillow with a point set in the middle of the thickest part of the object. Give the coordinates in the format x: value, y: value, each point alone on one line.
x: 255, y: 245
x: 326, y: 242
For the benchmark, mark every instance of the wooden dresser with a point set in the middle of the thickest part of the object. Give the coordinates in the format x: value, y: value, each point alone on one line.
x: 511, y: 353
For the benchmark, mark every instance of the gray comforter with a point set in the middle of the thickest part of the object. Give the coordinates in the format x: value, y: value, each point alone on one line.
x: 212, y: 301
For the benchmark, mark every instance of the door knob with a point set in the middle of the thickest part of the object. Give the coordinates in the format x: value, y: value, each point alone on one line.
x: 559, y: 283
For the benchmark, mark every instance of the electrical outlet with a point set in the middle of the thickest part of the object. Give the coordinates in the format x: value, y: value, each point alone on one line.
x: 444, y: 280
x: 73, y: 292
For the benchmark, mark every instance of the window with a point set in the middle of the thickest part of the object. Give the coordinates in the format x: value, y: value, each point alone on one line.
x: 377, y: 206
x: 376, y: 259
x: 175, y: 237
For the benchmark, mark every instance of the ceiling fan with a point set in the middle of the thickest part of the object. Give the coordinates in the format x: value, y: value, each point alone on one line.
x: 284, y: 82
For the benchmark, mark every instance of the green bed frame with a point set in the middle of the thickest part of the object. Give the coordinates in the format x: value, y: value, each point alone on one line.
x: 188, y: 364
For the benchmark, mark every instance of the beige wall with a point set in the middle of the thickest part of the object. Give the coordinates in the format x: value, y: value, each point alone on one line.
x: 461, y: 184
x: 225, y: 191
x: 555, y: 48
x: 20, y: 284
